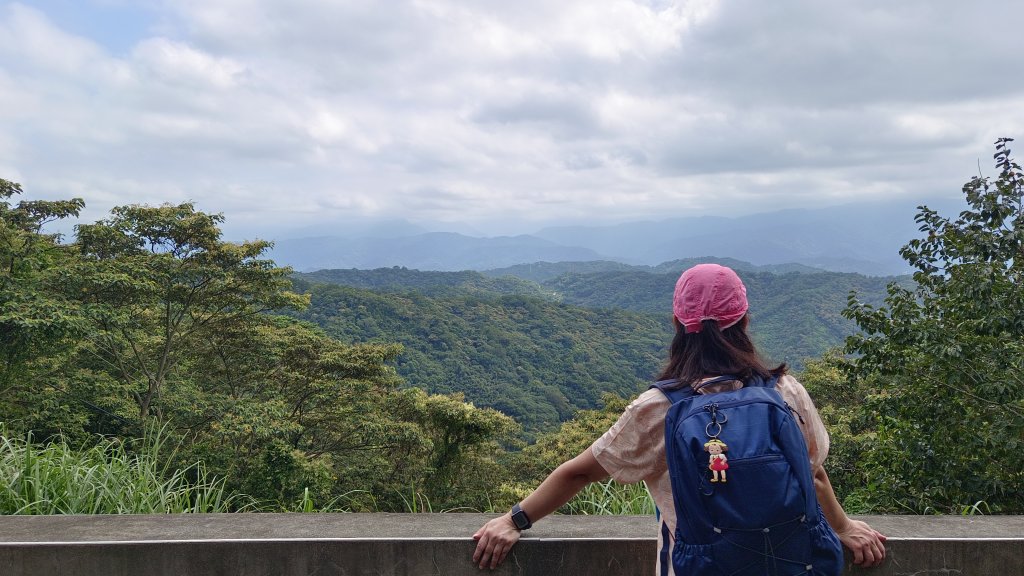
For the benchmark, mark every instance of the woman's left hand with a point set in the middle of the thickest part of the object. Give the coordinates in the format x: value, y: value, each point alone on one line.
x: 866, y: 543
x: 494, y: 541
x: 496, y: 538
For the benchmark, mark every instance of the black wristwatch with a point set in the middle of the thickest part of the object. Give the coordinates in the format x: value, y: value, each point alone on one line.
x: 520, y: 519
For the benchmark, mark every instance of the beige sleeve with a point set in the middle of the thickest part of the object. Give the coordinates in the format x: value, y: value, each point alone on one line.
x: 794, y: 393
x: 633, y: 449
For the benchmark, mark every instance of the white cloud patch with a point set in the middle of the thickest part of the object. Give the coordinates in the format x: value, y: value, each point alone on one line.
x: 513, y: 114
x: 179, y: 64
x: 28, y: 40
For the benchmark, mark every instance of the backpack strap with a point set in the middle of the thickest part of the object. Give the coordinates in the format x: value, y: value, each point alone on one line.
x: 671, y: 389
x: 675, y: 393
x: 718, y: 380
x: 758, y: 382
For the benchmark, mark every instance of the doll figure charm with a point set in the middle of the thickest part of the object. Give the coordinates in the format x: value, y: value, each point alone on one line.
x: 718, y: 461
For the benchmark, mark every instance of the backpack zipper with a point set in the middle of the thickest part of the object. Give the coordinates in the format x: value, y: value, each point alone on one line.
x: 731, y: 404
x: 715, y: 406
x: 756, y: 459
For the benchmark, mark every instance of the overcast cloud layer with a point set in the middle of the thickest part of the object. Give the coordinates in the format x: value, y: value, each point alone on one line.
x: 506, y: 116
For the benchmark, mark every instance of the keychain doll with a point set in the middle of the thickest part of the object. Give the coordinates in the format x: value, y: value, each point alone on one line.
x: 718, y: 461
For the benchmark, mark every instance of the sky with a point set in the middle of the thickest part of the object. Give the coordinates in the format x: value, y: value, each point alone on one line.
x: 305, y: 117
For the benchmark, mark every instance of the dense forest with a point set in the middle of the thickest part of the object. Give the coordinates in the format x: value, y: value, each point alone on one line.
x: 535, y: 360
x: 149, y: 339
x: 796, y: 315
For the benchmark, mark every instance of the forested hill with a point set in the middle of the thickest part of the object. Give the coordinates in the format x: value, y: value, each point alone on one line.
x: 793, y: 316
x: 538, y: 351
x: 543, y: 271
x: 426, y: 282
x: 533, y: 359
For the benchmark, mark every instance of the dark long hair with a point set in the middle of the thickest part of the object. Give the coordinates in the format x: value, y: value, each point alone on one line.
x: 714, y: 352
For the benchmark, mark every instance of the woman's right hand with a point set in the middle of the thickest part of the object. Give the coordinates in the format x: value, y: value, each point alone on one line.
x: 494, y: 541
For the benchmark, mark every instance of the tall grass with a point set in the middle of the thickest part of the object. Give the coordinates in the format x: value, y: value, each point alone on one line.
x: 609, y: 498
x: 104, y: 479
x: 109, y: 478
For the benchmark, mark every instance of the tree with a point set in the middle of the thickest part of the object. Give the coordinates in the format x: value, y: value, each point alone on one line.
x: 840, y: 404
x: 279, y: 407
x: 946, y: 358
x: 37, y: 321
x: 155, y: 281
x: 460, y: 467
x: 150, y: 316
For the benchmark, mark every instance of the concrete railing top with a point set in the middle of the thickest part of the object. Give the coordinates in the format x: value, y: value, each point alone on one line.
x: 394, y: 544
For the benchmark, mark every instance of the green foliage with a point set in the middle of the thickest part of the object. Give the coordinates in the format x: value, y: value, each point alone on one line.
x: 542, y: 272
x: 536, y: 461
x: 431, y: 283
x: 37, y: 321
x: 534, y: 360
x: 944, y: 360
x: 463, y: 446
x: 280, y: 408
x: 169, y: 323
x: 106, y: 478
x: 458, y: 337
x: 840, y: 404
x: 359, y: 402
x: 157, y: 281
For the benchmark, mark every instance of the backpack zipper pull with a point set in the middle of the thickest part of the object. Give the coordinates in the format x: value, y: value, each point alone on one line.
x: 715, y: 424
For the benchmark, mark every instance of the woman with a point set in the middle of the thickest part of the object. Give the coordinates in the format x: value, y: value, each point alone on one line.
x: 710, y: 317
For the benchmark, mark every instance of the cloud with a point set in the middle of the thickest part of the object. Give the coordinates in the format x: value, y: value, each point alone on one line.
x: 802, y: 52
x: 505, y: 115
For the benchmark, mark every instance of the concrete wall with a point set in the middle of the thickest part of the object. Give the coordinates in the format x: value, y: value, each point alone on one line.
x: 429, y: 544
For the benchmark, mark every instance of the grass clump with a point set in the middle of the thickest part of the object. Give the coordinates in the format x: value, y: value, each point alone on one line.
x: 107, y: 478
x: 609, y: 498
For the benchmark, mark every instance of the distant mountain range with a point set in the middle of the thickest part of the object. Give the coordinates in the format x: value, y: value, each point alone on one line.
x: 861, y: 238
x: 440, y: 251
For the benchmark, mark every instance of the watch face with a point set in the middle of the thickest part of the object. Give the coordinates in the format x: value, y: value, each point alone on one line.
x: 519, y: 518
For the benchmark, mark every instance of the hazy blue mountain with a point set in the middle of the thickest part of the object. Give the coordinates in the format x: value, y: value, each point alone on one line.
x: 861, y: 238
x: 394, y: 228
x: 432, y: 251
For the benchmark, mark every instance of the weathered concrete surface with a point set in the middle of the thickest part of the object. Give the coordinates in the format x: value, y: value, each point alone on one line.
x: 407, y: 544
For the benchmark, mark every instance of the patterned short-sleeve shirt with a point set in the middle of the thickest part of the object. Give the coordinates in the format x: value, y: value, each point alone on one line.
x: 633, y: 449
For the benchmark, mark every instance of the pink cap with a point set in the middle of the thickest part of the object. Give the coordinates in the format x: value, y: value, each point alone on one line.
x: 709, y: 292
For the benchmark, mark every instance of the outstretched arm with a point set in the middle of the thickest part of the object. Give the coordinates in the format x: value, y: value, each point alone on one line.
x: 866, y: 543
x: 496, y: 538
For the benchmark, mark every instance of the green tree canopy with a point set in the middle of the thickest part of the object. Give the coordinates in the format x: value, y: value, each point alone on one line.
x: 150, y: 319
x: 38, y: 322
x: 945, y: 359
x: 155, y: 280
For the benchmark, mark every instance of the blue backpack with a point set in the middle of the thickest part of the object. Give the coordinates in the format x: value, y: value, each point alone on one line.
x: 754, y: 512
